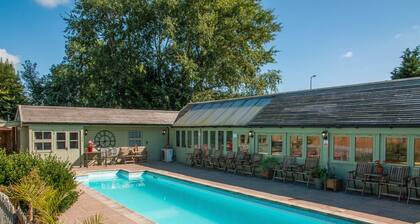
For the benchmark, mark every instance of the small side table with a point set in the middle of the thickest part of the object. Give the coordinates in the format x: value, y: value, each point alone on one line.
x: 92, y: 156
x: 372, y: 179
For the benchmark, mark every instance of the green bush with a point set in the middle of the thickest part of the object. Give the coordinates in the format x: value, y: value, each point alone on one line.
x: 267, y: 164
x: 54, y: 172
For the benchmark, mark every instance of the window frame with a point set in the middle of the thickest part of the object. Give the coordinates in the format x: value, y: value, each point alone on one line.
x: 78, y: 139
x: 320, y: 145
x: 139, y: 139
x: 282, y: 151
x: 355, y: 146
x: 177, y: 138
x: 350, y: 158
x: 407, y: 149
x: 42, y: 141
x: 302, y: 150
x: 61, y: 141
x: 268, y: 145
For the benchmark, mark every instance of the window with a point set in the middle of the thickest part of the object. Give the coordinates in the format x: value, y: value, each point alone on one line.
x: 417, y: 152
x: 313, y: 146
x: 296, y: 143
x: 396, y: 150
x: 364, y: 149
x: 134, y: 138
x: 341, y: 148
x: 74, y: 140
x: 60, y: 139
x: 243, y: 143
x: 196, y: 143
x: 189, y: 139
x: 229, y: 137
x: 183, y: 139
x: 212, y: 139
x: 262, y: 144
x: 221, y: 140
x: 42, y: 140
x: 205, y: 139
x: 276, y: 144
x: 177, y: 139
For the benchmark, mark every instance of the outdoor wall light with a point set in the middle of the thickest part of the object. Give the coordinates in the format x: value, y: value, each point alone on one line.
x: 324, y: 134
x: 251, y: 134
x: 163, y: 131
x: 86, y: 132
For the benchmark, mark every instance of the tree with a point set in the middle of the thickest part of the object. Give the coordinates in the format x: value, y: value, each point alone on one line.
x: 164, y: 53
x: 33, y: 83
x: 410, y: 64
x: 11, y: 90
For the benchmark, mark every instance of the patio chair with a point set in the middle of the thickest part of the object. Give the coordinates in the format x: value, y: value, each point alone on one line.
x: 303, y: 173
x: 112, y: 155
x: 192, y: 157
x: 358, y: 176
x: 242, y: 157
x: 142, y: 153
x: 227, y: 162
x: 284, y: 169
x: 248, y: 167
x: 207, y: 158
x: 125, y: 155
x: 396, y: 178
x: 215, y: 160
x: 414, y: 186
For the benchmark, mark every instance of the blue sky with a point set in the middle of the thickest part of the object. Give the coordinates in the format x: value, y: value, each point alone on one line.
x: 342, y: 42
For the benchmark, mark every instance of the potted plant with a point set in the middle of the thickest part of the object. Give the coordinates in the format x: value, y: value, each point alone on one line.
x: 266, y: 167
x: 332, y: 183
x: 379, y: 169
x: 319, y: 177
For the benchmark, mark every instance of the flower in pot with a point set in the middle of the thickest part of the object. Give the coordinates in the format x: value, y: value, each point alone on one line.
x: 319, y: 177
x: 379, y: 169
x: 266, y: 167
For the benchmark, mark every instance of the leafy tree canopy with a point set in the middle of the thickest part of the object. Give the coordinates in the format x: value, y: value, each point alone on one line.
x: 11, y: 90
x: 33, y: 83
x: 163, y: 53
x: 410, y: 64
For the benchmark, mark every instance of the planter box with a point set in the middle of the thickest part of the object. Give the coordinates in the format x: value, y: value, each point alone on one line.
x: 333, y: 184
x: 267, y: 174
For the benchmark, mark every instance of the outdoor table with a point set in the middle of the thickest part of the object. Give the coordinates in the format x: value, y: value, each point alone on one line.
x: 371, y: 179
x: 92, y: 156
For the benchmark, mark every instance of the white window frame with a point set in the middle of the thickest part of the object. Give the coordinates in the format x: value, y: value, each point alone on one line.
x: 65, y: 140
x: 43, y: 141
x: 70, y: 141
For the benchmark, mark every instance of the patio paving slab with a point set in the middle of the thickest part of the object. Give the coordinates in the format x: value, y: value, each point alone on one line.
x: 351, y: 205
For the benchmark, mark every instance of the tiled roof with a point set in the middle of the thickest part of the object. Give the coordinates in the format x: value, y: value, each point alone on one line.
x: 85, y: 115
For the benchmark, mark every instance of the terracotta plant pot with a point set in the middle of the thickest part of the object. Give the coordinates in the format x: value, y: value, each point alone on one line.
x: 333, y: 184
x: 267, y: 174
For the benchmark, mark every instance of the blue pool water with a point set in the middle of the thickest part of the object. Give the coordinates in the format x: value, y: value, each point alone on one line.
x: 164, y: 200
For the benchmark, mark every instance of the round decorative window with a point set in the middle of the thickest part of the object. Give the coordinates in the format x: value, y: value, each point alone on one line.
x: 104, y: 139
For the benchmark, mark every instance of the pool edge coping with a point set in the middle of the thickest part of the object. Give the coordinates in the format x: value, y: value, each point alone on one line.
x: 288, y: 201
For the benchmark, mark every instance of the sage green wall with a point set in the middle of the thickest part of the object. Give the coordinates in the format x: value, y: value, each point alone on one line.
x: 340, y: 167
x: 152, y: 138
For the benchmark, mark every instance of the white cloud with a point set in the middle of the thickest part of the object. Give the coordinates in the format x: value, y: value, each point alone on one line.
x: 13, y: 59
x: 51, y: 3
x: 348, y: 54
x: 398, y: 36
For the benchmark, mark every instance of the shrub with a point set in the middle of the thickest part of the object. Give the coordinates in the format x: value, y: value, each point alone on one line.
x: 267, y: 164
x: 54, y: 172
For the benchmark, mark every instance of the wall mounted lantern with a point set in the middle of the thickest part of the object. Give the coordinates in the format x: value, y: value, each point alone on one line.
x: 86, y: 132
x: 324, y: 134
x: 251, y: 134
x: 163, y: 131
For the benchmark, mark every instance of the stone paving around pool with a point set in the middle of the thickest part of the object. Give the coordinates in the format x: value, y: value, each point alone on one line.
x: 350, y: 205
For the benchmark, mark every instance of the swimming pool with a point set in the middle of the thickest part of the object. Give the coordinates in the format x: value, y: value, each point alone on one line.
x: 164, y: 199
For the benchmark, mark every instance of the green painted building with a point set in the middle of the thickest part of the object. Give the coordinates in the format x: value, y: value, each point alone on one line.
x: 340, y: 125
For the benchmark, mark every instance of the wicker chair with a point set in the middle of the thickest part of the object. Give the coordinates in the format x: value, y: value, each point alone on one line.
x: 357, y: 176
x: 396, y: 178
x: 284, y: 169
x: 241, y: 158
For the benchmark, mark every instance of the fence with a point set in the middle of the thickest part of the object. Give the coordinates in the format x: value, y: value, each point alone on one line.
x: 8, y: 214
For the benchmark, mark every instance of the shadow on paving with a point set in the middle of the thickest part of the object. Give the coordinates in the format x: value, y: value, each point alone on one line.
x: 386, y: 207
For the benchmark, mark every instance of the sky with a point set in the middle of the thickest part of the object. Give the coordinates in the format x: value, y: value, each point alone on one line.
x: 341, y: 42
